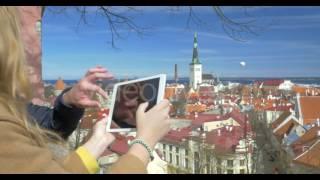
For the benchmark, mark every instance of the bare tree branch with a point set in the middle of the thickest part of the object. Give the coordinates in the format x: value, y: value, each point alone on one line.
x: 117, y: 20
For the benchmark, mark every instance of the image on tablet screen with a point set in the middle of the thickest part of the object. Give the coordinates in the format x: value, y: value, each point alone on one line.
x: 128, y: 99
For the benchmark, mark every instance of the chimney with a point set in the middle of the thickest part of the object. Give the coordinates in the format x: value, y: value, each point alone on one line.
x: 176, y: 73
x: 219, y: 132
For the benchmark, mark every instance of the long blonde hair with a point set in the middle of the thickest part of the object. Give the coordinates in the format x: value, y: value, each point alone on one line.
x: 15, y: 89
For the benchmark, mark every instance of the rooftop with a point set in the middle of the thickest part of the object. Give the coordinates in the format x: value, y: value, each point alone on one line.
x: 311, y: 156
x: 310, y: 108
x: 280, y: 119
x: 271, y: 82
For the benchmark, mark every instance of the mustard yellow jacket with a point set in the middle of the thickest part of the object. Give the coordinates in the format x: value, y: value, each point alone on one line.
x: 19, y: 153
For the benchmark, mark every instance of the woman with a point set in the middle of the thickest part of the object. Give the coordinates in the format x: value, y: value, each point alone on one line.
x: 24, y: 146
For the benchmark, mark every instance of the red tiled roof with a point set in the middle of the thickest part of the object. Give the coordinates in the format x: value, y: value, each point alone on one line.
x: 227, y: 140
x: 203, y: 90
x: 285, y: 128
x: 235, y: 114
x: 310, y: 135
x: 169, y: 92
x: 272, y: 82
x: 176, y: 136
x: 280, y: 119
x: 280, y: 108
x: 59, y: 84
x: 120, y: 145
x: 241, y: 118
x: 310, y: 108
x: 311, y: 156
x: 306, y: 90
x: 202, y: 118
x: 91, y: 114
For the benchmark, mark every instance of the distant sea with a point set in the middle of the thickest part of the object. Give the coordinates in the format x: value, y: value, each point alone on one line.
x: 313, y: 81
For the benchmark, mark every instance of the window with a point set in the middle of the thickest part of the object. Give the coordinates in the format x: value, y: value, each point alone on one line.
x: 208, y: 168
x: 219, y: 161
x: 242, y: 171
x: 230, y: 163
x: 208, y: 158
x: 177, y: 150
x: 164, y: 155
x: 218, y: 170
x: 170, y: 147
x: 229, y: 171
x: 197, y: 162
x: 163, y: 146
x: 177, y: 160
x: 170, y: 158
x: 242, y: 162
x: 187, y: 152
x: 187, y: 163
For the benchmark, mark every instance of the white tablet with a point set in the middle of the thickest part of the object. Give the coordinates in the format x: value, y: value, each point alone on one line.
x: 126, y: 98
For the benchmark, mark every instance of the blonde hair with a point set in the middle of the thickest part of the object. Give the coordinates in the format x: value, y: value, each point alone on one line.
x: 15, y: 89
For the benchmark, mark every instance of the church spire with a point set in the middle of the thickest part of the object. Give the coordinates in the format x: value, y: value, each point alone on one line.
x: 195, y: 56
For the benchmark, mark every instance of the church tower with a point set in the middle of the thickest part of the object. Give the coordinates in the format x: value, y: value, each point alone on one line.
x: 195, y: 66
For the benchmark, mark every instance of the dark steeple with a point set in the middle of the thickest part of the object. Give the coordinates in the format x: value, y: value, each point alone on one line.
x: 195, y: 56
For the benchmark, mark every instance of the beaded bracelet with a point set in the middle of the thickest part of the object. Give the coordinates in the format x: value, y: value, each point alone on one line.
x: 140, y: 141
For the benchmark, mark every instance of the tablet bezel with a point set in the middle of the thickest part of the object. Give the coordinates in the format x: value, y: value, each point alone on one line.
x: 161, y: 90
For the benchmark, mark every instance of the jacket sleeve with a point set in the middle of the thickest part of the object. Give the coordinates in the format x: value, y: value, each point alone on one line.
x: 61, y: 119
x: 19, y: 153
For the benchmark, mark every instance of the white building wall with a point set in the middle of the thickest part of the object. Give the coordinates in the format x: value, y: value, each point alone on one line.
x: 209, y: 126
x: 195, y: 75
x: 193, y: 147
x: 272, y: 116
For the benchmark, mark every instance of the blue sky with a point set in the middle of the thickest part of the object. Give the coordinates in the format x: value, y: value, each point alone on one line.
x: 287, y: 45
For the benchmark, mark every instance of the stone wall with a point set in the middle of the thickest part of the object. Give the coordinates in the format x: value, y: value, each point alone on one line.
x: 30, y: 19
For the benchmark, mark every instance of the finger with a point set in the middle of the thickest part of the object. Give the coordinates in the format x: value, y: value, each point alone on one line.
x: 90, y: 103
x: 104, y: 120
x: 102, y: 92
x: 111, y: 137
x: 96, y: 70
x: 142, y: 108
x: 166, y: 111
x: 96, y: 76
x: 114, y: 125
x: 163, y: 104
x: 101, y: 122
x: 97, y: 89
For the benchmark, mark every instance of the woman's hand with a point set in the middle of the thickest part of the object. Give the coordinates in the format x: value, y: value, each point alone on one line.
x: 100, y: 139
x: 154, y: 124
x: 151, y: 127
x: 81, y: 94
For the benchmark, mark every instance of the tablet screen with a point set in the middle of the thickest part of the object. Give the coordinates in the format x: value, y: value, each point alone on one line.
x: 128, y: 99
